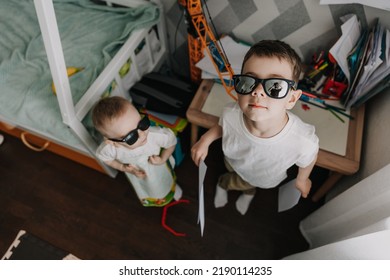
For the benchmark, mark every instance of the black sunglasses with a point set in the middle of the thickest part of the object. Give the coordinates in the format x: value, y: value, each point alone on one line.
x: 133, y: 136
x: 274, y: 87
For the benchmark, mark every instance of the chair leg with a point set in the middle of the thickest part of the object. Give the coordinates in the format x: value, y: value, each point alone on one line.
x: 333, y: 178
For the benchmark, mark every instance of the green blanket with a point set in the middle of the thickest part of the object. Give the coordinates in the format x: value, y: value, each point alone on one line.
x: 91, y: 34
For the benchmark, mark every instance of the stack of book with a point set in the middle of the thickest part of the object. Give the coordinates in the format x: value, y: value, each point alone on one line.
x: 363, y: 54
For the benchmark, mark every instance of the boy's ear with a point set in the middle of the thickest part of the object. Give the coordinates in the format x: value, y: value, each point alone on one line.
x: 294, y: 97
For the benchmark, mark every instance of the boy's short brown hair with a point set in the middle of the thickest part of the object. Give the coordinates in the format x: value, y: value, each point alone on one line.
x: 107, y: 109
x: 279, y: 49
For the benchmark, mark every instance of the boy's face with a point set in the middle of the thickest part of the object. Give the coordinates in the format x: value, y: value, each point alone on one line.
x: 120, y: 127
x: 257, y: 106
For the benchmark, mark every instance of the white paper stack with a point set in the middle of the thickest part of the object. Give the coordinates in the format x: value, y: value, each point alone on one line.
x: 235, y: 53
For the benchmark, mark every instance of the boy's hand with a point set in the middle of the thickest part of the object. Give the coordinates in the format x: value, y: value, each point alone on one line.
x: 303, y: 186
x: 156, y: 160
x: 135, y: 171
x: 201, y: 148
x: 303, y: 182
x: 199, y: 152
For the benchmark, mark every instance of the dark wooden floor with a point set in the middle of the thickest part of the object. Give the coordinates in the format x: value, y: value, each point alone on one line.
x: 94, y: 216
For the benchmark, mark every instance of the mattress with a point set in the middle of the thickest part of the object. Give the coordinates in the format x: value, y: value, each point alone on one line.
x: 90, y: 33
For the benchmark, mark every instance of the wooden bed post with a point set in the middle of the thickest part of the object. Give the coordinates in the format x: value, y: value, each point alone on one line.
x: 52, y: 41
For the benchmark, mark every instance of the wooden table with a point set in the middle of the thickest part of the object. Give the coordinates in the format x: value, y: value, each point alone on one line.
x: 338, y: 165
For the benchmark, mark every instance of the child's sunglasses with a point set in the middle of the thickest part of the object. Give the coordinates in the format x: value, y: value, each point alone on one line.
x: 133, y: 136
x: 274, y: 87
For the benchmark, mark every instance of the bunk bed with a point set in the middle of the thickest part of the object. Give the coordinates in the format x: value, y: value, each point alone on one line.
x: 113, y: 44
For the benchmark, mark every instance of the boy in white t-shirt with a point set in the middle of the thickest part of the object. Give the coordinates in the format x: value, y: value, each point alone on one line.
x: 144, y: 153
x: 261, y: 139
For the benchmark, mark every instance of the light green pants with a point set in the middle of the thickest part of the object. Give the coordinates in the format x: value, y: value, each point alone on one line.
x: 233, y: 181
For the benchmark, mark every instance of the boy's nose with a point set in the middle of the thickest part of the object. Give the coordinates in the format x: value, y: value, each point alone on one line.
x: 258, y: 91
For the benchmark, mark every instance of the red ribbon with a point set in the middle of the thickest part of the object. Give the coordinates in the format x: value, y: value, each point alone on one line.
x: 164, y: 216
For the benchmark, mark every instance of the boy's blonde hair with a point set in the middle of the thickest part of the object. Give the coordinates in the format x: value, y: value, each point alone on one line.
x: 279, y: 49
x: 108, y: 109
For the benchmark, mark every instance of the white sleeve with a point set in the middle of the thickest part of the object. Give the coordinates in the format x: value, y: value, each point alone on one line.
x: 106, y: 152
x: 165, y: 137
x: 311, y: 151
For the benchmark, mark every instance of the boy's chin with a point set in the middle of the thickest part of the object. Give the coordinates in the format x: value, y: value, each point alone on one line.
x: 256, y: 116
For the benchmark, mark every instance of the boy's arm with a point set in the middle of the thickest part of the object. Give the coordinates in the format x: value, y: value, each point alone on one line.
x: 115, y: 164
x: 200, y: 150
x: 166, y: 153
x: 126, y: 168
x: 303, y: 183
x: 163, y: 157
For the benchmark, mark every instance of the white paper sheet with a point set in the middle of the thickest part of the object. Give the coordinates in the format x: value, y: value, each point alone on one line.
x: 202, y: 174
x: 340, y: 50
x: 288, y: 196
x: 235, y: 53
x: 216, y: 100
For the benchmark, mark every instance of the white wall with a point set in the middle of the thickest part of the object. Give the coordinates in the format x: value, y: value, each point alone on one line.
x: 353, y: 225
x: 376, y: 142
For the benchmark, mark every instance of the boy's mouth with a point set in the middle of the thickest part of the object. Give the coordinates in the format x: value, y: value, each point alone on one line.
x: 257, y: 106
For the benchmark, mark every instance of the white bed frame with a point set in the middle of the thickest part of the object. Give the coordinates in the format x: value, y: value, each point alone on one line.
x: 72, y: 114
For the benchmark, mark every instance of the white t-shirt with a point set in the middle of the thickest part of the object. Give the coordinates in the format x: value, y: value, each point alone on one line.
x: 159, y: 178
x: 263, y: 162
x: 158, y: 138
